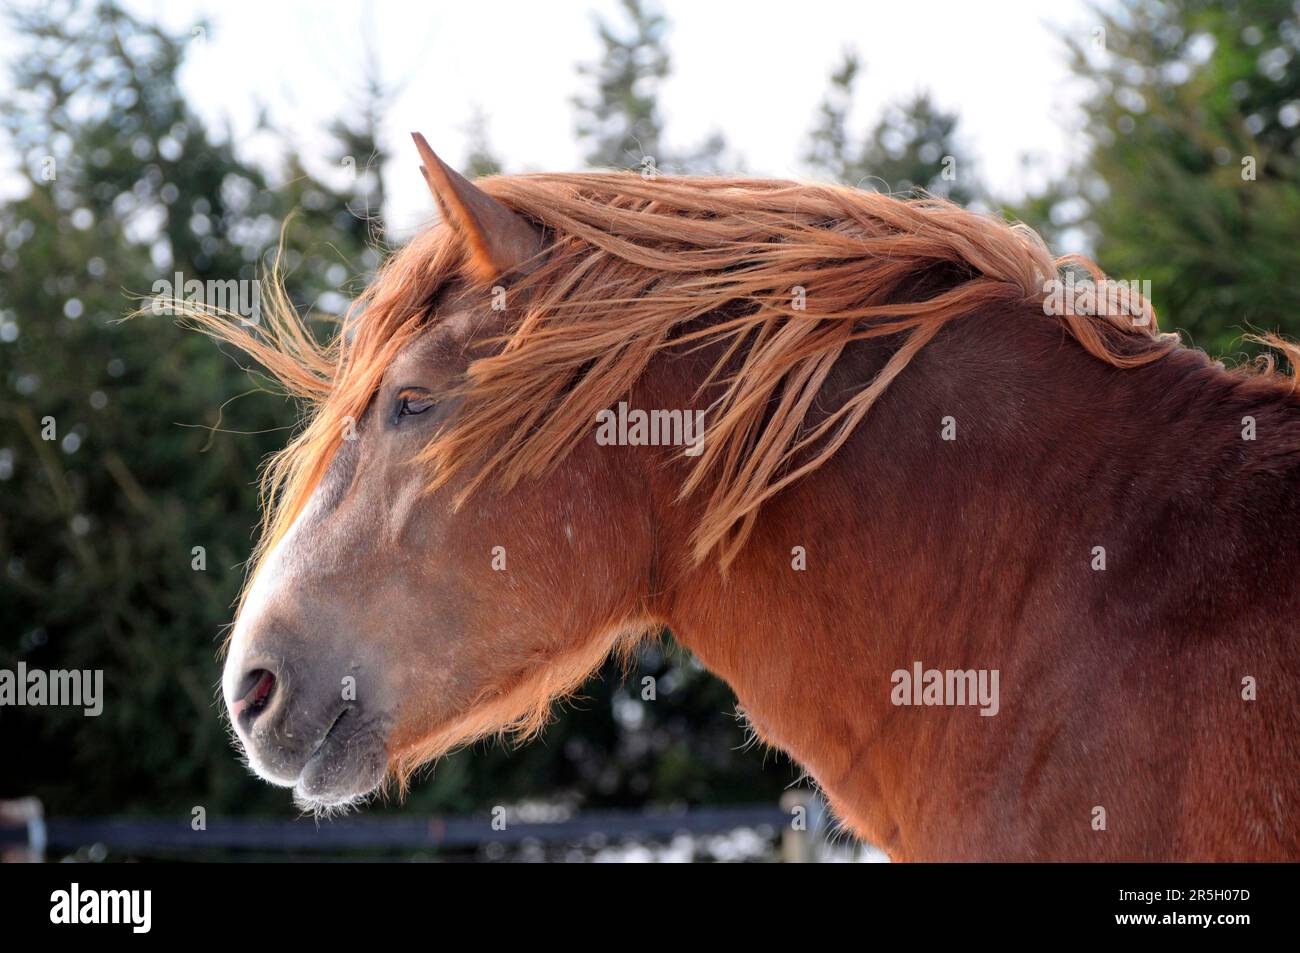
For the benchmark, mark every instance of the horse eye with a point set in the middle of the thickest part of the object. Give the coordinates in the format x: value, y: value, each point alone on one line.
x: 412, y: 404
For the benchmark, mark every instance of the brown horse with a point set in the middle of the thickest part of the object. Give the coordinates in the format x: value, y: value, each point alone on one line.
x: 1009, y: 572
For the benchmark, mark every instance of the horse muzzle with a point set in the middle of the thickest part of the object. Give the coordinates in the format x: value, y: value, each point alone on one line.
x: 307, y: 729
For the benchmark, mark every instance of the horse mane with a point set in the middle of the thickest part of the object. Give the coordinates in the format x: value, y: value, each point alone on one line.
x: 785, y: 276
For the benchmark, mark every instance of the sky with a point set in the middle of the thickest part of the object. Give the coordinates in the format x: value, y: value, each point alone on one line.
x: 755, y: 71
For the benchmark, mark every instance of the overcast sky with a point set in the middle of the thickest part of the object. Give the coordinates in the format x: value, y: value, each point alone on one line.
x: 754, y: 70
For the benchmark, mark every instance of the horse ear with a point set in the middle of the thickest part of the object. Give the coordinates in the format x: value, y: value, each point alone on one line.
x: 498, y: 240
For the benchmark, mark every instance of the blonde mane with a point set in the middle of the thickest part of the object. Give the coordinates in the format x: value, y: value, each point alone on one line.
x: 784, y: 275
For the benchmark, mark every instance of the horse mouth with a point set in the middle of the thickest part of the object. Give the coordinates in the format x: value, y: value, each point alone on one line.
x: 349, y: 763
x: 330, y: 732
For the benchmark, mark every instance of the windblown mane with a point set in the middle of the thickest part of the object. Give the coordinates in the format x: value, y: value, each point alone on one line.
x: 784, y: 275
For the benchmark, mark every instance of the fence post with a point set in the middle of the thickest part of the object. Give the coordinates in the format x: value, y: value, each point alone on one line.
x: 24, y: 811
x: 801, y: 840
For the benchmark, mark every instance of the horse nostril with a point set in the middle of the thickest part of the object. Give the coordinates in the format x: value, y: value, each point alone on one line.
x: 255, y: 689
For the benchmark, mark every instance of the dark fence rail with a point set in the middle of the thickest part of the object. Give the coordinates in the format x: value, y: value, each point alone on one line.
x: 23, y: 826
x: 138, y: 834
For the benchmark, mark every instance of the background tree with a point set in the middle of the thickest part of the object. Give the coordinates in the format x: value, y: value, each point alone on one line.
x: 358, y: 153
x: 912, y: 147
x: 1191, y: 168
x: 480, y: 159
x: 619, y: 117
x: 122, y: 539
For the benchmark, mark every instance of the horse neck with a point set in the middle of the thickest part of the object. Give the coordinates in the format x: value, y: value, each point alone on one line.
x: 975, y: 552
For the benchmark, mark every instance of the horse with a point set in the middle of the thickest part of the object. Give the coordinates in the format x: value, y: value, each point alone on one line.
x: 1011, y: 574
